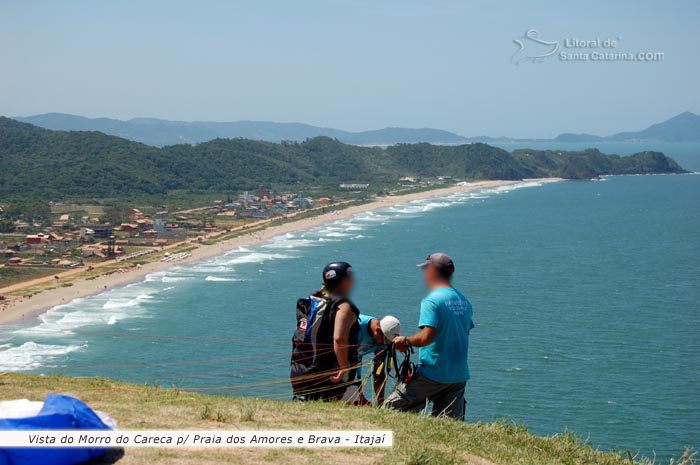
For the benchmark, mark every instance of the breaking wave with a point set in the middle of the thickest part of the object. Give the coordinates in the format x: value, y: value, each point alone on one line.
x: 31, y: 355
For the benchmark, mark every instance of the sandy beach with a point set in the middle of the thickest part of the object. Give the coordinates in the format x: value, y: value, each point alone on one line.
x: 18, y: 310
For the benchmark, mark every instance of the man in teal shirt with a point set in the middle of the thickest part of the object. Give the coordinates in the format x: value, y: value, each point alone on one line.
x: 442, y: 371
x: 374, y: 338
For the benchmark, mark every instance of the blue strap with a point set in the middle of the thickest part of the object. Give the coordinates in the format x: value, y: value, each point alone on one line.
x: 312, y: 317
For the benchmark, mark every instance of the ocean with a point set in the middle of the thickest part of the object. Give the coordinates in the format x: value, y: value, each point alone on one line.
x: 586, y: 303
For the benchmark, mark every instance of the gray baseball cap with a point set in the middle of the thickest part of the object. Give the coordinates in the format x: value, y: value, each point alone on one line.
x: 439, y: 260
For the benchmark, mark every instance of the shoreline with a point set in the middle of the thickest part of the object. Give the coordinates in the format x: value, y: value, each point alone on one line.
x: 20, y: 310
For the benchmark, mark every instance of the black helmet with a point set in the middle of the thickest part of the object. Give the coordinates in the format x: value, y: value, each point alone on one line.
x: 334, y: 272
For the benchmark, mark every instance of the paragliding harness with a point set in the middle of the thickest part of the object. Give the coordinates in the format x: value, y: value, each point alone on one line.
x: 313, y: 358
x: 404, y: 370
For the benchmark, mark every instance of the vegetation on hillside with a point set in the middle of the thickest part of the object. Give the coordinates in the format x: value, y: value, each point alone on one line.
x: 418, y: 440
x: 40, y: 163
x: 592, y: 163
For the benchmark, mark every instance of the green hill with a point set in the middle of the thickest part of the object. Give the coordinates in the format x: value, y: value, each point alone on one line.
x: 42, y: 163
x: 418, y: 440
x: 590, y: 163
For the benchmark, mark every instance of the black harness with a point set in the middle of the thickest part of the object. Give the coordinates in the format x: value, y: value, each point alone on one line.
x: 404, y: 370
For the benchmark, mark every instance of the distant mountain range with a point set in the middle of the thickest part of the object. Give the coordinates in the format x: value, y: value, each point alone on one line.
x: 681, y: 128
x: 158, y: 132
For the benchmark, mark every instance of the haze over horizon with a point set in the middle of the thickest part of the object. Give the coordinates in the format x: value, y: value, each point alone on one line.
x: 349, y: 65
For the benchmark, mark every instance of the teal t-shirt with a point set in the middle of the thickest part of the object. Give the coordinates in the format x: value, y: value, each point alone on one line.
x: 450, y: 313
x: 365, y: 342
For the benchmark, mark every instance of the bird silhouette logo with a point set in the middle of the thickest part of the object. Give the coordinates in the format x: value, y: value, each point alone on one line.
x: 532, y: 49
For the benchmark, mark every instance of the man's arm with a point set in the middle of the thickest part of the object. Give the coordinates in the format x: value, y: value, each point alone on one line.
x: 427, y: 322
x: 422, y: 338
x: 344, y: 319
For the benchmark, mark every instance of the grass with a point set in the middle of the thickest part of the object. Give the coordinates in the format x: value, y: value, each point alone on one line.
x: 10, y: 275
x: 418, y: 440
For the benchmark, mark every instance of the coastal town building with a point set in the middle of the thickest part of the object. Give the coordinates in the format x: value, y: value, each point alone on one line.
x: 354, y: 187
x: 96, y: 231
x: 35, y: 239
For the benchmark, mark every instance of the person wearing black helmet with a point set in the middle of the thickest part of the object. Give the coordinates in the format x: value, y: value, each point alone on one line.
x: 324, y: 346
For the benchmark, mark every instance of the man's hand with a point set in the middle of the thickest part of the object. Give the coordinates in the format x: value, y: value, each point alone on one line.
x: 400, y: 343
x: 422, y: 338
x: 338, y: 377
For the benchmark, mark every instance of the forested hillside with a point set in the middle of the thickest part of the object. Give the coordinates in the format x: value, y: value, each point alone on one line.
x: 37, y: 162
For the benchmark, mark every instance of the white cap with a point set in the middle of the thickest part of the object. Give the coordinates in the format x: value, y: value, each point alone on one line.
x: 391, y: 327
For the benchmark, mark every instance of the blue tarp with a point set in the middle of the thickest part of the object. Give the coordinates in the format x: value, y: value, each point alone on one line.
x: 58, y: 412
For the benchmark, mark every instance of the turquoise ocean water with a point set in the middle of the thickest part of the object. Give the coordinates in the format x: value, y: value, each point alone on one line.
x: 586, y: 300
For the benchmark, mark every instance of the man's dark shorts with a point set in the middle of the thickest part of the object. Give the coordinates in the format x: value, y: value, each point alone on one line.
x: 448, y: 399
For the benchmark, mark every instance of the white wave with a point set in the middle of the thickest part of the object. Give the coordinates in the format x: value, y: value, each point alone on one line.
x: 126, y: 302
x: 220, y: 279
x: 175, y: 279
x: 288, y: 243
x: 102, y: 309
x: 407, y: 210
x: 31, y: 355
x: 257, y: 257
x: 422, y: 206
x: 415, y: 207
x: 212, y: 268
x: 371, y: 217
x: 155, y: 277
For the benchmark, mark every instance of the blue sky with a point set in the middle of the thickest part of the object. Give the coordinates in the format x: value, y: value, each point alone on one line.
x: 352, y: 65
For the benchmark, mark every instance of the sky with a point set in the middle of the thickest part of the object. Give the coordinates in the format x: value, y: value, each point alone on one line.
x: 353, y: 64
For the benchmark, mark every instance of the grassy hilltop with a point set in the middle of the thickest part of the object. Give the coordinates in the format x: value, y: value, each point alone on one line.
x: 418, y: 440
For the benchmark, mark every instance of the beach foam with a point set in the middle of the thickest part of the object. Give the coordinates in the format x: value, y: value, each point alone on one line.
x: 32, y: 355
x: 257, y: 257
x: 106, y: 308
x: 221, y: 279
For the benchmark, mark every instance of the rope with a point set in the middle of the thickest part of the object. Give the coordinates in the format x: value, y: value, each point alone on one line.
x: 316, y: 378
x: 247, y: 370
x: 197, y: 338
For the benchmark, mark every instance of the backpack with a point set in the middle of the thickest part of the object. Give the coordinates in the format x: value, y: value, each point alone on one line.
x: 312, y: 344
